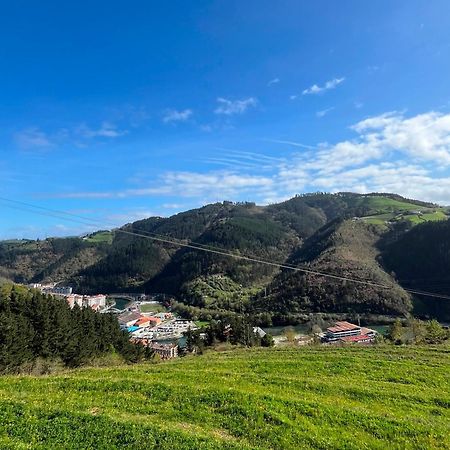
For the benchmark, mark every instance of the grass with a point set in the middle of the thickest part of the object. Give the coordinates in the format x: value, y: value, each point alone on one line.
x: 100, y: 237
x: 380, y: 204
x: 152, y: 307
x: 322, y: 398
x: 201, y: 323
x: 427, y: 216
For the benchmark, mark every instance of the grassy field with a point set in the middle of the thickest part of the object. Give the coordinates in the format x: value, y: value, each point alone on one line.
x: 322, y: 398
x: 415, y: 219
x: 100, y: 237
x: 152, y: 307
x: 384, y: 209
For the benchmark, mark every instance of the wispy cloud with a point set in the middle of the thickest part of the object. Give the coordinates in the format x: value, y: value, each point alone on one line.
x: 324, y: 112
x: 214, y: 184
x: 107, y: 130
x: 273, y: 81
x: 32, y: 138
x: 173, y: 115
x: 230, y: 107
x: 293, y: 143
x: 36, y: 138
x: 129, y: 215
x: 389, y: 152
x: 316, y: 89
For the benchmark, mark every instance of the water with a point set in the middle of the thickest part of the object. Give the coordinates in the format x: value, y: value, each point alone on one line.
x: 121, y: 303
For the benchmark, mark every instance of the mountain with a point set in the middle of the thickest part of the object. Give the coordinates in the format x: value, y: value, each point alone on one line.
x: 366, y: 236
x: 345, y: 248
x: 420, y: 260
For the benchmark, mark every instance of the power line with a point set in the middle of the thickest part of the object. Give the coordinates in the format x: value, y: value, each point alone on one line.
x: 202, y: 247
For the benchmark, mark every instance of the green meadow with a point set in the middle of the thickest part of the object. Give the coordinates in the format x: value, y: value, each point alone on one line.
x: 319, y: 398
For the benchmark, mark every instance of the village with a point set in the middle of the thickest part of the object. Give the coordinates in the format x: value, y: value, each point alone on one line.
x: 162, y: 331
x: 152, y: 326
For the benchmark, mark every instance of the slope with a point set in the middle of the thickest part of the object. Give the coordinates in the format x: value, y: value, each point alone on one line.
x: 420, y: 259
x: 346, y: 248
x: 316, y: 398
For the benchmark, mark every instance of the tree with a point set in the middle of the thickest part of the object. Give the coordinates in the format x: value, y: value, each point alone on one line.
x: 396, y: 332
x: 416, y: 331
x: 267, y: 340
x: 435, y: 334
x: 289, y: 334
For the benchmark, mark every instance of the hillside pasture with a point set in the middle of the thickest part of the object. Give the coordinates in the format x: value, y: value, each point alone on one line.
x: 316, y: 398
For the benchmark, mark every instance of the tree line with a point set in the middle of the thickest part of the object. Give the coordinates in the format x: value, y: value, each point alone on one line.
x: 235, y: 331
x: 34, y: 326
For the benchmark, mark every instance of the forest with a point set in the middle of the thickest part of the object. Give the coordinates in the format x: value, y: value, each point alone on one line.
x: 39, y: 332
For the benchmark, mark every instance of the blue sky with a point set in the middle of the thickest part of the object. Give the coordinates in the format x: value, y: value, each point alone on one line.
x: 121, y: 110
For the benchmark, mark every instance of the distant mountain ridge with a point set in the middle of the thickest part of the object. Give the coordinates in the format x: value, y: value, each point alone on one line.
x: 360, y: 235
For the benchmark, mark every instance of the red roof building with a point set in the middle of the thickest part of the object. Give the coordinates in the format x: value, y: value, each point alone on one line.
x: 349, y: 332
x: 143, y: 322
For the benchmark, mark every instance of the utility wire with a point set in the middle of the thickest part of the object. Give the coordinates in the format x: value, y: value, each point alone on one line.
x: 201, y: 247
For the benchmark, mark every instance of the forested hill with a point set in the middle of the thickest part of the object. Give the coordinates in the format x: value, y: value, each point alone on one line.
x: 352, y: 234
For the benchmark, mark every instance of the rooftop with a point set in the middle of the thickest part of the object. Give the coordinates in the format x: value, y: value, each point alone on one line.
x: 343, y: 326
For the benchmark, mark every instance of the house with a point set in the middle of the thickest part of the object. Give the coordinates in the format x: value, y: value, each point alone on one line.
x: 154, y: 321
x: 143, y: 322
x: 128, y: 319
x: 99, y: 299
x: 62, y: 290
x: 74, y: 299
x: 259, y: 331
x: 165, y: 351
x: 346, y: 332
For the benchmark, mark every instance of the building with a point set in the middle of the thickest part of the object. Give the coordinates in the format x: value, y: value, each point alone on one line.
x: 61, y: 290
x: 154, y: 321
x: 165, y: 351
x: 99, y: 299
x: 346, y: 332
x: 95, y: 300
x: 259, y: 331
x: 74, y: 299
x: 143, y: 322
x: 128, y: 319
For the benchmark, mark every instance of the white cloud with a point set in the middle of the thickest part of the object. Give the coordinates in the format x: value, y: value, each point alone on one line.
x: 230, y: 107
x: 36, y: 138
x: 425, y: 136
x: 273, y: 81
x: 293, y: 143
x: 128, y: 216
x: 390, y: 153
x: 172, y: 115
x: 316, y: 89
x: 32, y: 137
x: 107, y: 129
x: 324, y: 112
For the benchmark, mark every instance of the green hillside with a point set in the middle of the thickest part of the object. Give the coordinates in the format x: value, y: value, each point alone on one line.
x: 296, y: 231
x: 316, y: 398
